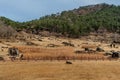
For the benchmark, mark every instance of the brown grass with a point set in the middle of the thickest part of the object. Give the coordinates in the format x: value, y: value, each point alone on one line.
x: 85, y: 70
x: 94, y: 69
x: 41, y: 53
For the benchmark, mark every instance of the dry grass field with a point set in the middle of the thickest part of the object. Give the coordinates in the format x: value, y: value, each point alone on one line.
x: 85, y: 67
x: 47, y: 70
x: 57, y: 53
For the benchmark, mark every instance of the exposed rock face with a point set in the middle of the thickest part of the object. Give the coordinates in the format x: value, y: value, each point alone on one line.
x: 90, y: 9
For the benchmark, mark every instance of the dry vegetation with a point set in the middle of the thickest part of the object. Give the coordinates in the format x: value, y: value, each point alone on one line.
x: 51, y: 61
x: 42, y: 51
x: 60, y: 53
x: 46, y: 70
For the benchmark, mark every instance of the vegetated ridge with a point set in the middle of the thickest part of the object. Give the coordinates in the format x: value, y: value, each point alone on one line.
x: 72, y: 23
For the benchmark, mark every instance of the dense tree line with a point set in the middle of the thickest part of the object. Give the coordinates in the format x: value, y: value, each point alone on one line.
x: 77, y: 22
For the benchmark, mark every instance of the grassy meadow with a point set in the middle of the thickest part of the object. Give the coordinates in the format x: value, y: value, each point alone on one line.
x: 58, y: 70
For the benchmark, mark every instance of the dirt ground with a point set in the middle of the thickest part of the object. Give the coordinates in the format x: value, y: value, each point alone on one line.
x: 58, y: 70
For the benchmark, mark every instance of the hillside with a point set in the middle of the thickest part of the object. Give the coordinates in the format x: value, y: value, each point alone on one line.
x: 73, y: 23
x: 81, y: 21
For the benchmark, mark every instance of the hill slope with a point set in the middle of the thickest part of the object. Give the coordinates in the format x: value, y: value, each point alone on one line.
x: 81, y: 21
x: 74, y: 23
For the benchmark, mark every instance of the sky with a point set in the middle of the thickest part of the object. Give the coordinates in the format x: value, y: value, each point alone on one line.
x: 26, y: 10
